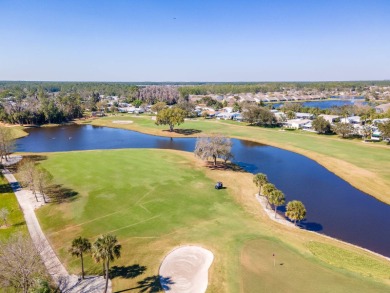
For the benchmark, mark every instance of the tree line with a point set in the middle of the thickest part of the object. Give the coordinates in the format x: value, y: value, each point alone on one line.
x: 40, y: 108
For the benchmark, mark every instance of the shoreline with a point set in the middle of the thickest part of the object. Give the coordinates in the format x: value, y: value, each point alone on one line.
x: 283, y: 221
x: 329, y: 163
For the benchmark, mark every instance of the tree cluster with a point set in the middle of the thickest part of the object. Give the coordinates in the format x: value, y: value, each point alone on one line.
x: 104, y: 250
x: 384, y: 128
x: 40, y: 108
x: 295, y: 210
x: 215, y: 147
x: 321, y: 125
x: 153, y: 94
x: 35, y: 179
x: 171, y: 116
x: 344, y: 130
x: 257, y: 115
x: 7, y: 143
x: 21, y: 267
x: 210, y: 102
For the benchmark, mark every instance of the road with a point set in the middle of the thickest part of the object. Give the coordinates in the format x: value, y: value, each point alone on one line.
x: 67, y: 283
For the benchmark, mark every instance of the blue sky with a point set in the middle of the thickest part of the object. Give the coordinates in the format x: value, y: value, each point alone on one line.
x: 194, y: 40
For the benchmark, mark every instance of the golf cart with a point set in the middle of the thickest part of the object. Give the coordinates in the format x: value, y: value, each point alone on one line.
x: 219, y: 185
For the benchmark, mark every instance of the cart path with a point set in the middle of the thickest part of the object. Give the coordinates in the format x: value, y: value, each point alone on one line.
x: 67, y: 283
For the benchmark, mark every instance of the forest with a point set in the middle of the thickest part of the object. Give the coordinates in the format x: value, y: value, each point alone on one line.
x: 41, y: 102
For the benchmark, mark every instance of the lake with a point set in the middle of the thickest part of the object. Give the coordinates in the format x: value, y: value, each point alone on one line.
x: 334, y: 207
x: 326, y: 104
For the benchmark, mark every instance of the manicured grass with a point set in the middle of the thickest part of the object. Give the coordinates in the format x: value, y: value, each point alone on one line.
x: 156, y: 200
x: 365, y: 165
x: 293, y: 272
x: 343, y: 258
x: 8, y: 200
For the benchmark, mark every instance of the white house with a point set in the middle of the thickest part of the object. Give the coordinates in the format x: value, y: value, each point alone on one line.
x: 330, y: 118
x: 299, y: 115
x: 382, y: 108
x: 298, y: 123
x: 351, y: 120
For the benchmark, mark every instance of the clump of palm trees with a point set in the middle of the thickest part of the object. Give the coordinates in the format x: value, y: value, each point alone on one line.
x: 295, y: 210
x: 104, y: 250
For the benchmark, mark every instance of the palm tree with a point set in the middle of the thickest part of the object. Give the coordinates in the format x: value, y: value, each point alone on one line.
x: 79, y: 246
x: 106, y: 249
x: 296, y: 211
x: 268, y: 189
x: 260, y: 179
x: 277, y: 198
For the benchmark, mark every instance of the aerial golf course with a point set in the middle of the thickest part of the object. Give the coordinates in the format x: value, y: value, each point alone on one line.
x: 156, y: 200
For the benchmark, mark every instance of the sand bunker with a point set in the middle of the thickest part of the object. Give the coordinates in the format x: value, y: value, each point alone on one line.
x: 185, y: 270
x: 122, y: 121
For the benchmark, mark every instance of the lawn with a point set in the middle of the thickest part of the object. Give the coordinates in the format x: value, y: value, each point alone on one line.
x: 365, y: 165
x: 8, y: 200
x: 155, y: 200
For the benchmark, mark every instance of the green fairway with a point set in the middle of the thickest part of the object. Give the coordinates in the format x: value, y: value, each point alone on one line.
x: 290, y: 272
x: 365, y: 165
x: 155, y: 200
x: 8, y: 200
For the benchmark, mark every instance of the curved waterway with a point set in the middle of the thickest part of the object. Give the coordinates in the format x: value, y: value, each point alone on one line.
x: 335, y: 208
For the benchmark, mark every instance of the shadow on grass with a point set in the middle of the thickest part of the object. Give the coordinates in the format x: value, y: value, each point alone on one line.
x: 5, y: 188
x: 128, y: 272
x: 58, y: 193
x: 185, y: 131
x: 152, y: 284
x: 35, y: 158
x: 223, y: 166
x: 19, y: 224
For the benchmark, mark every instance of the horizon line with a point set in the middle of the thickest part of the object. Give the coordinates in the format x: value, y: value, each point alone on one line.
x: 248, y: 82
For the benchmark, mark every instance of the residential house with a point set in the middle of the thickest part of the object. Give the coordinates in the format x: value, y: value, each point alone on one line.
x: 299, y: 115
x: 330, y: 118
x: 382, y: 108
x: 298, y: 123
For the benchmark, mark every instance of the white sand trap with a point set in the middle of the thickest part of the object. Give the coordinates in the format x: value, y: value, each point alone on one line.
x: 185, y: 270
x: 122, y: 121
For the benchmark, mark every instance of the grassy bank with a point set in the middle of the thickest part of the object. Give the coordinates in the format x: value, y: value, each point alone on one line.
x: 155, y: 200
x: 365, y: 165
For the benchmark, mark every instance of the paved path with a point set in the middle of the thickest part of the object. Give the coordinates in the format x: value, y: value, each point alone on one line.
x: 67, y: 283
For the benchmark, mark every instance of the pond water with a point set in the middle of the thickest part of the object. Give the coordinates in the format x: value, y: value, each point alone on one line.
x: 326, y: 104
x: 334, y: 207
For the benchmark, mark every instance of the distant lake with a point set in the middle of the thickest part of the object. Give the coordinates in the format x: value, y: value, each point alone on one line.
x: 334, y: 207
x: 326, y: 104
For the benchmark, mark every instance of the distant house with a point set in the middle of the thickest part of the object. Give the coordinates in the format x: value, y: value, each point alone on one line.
x: 382, y: 108
x: 304, y: 116
x: 227, y: 115
x: 139, y: 110
x: 330, y: 118
x: 376, y: 135
x: 379, y: 121
x: 351, y: 120
x: 238, y: 117
x: 228, y: 109
x: 298, y: 123
x: 280, y: 116
x: 98, y: 114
